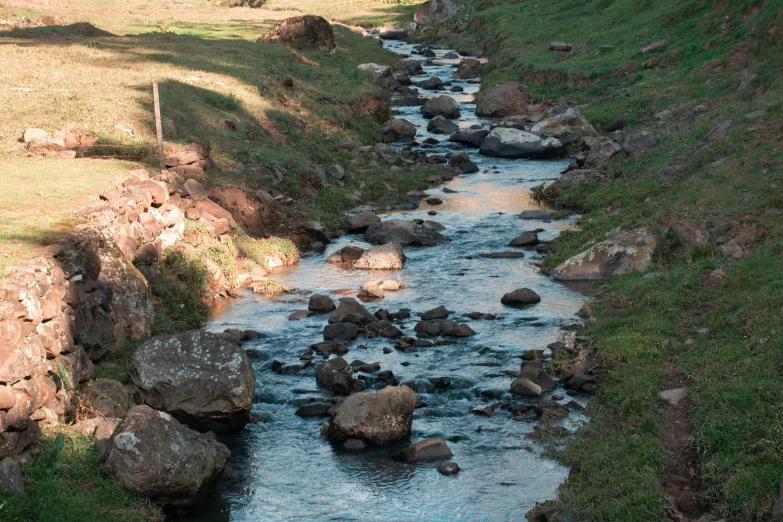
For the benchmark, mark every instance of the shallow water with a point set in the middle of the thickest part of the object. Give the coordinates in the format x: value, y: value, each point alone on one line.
x: 290, y: 472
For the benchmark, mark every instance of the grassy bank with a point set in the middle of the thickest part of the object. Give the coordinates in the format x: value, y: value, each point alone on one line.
x: 709, y: 321
x: 267, y: 107
x: 263, y: 108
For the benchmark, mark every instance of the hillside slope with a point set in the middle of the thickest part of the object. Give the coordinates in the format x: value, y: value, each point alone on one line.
x: 710, y: 319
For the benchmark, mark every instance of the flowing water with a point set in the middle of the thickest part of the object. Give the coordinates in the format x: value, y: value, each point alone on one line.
x: 290, y: 472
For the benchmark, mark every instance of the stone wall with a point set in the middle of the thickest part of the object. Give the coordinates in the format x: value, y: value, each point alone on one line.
x: 85, y: 296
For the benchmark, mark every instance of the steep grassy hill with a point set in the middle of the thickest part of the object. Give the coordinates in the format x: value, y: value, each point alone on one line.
x: 711, y: 319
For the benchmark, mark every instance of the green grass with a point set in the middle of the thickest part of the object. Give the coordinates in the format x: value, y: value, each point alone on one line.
x: 180, y: 293
x: 65, y: 485
x: 270, y: 287
x: 259, y: 249
x: 734, y: 371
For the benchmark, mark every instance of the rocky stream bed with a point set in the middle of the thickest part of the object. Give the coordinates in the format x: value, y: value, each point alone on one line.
x: 283, y: 468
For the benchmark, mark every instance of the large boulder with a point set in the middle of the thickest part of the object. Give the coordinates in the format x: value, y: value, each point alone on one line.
x: 470, y: 137
x: 203, y: 379
x: 321, y: 304
x: 444, y: 106
x: 570, y: 126
x: 437, y: 11
x: 398, y: 129
x: 360, y: 222
x: 520, y: 298
x: 571, y: 179
x: 513, y: 143
x: 506, y: 99
x: 618, y: 255
x: 153, y: 455
x: 440, y: 125
x: 304, y: 32
x: 403, y: 232
x: 428, y: 449
x: 378, y: 417
x: 351, y: 311
x: 382, y: 257
x: 640, y: 142
x: 335, y: 375
x: 602, y: 153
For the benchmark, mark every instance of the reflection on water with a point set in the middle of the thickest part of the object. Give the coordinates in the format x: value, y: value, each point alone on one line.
x: 290, y: 472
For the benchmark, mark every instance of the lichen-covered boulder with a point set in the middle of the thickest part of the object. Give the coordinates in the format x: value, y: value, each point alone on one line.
x: 153, y: 455
x: 378, y: 417
x: 503, y: 142
x: 304, y: 32
x: 203, y: 379
x: 382, y: 257
x: 621, y: 254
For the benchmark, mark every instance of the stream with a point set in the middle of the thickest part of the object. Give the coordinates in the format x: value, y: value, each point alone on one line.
x: 288, y: 471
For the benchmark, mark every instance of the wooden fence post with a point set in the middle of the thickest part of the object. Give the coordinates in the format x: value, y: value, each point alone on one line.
x: 158, y: 127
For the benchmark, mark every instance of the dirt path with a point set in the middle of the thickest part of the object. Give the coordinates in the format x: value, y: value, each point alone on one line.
x: 680, y: 479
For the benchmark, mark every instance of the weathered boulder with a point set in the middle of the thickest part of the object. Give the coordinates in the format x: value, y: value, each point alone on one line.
x: 622, y: 254
x: 520, y: 297
x: 304, y: 32
x: 432, y: 84
x: 464, y: 72
x: 525, y: 239
x: 504, y: 142
x: 403, y: 232
x: 11, y: 476
x: 526, y: 387
x: 398, y: 129
x: 439, y: 312
x: 571, y: 179
x: 452, y: 329
x: 382, y: 257
x: 351, y: 311
x: 602, y: 153
x: 470, y: 138
x: 440, y: 125
x: 130, y: 306
x: 378, y: 417
x: 640, y: 142
x: 336, y: 375
x: 346, y: 255
x: 110, y: 398
x: 321, y: 304
x: 341, y: 331
x: 427, y: 449
x: 444, y: 106
x: 448, y: 468
x: 506, y: 99
x: 568, y: 127
x: 153, y: 455
x: 203, y: 379
x: 361, y: 222
x: 372, y: 289
x: 430, y: 328
x: 437, y: 11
